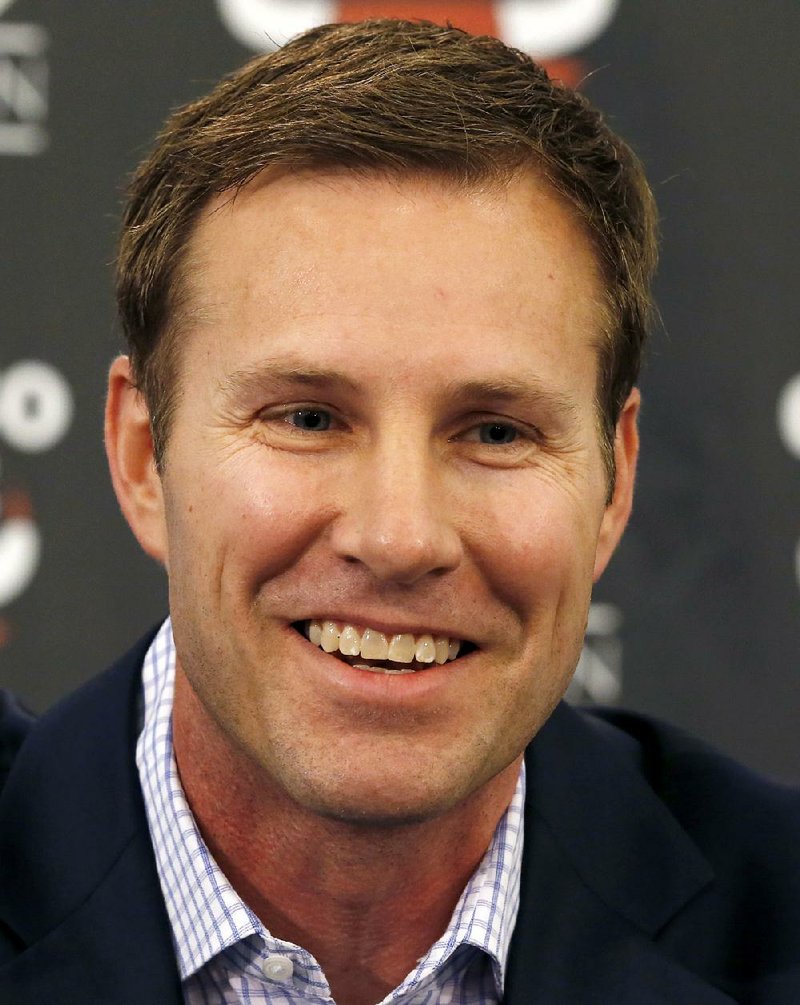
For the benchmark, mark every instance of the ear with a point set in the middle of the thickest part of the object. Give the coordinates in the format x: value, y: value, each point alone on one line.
x: 129, y: 448
x: 626, y: 453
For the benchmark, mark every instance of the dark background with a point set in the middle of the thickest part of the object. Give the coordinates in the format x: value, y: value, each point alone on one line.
x: 699, y: 616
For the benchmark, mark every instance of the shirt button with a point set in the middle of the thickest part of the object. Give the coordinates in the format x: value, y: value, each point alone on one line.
x: 277, y: 968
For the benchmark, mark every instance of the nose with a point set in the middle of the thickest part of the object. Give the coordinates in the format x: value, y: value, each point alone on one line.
x: 397, y: 515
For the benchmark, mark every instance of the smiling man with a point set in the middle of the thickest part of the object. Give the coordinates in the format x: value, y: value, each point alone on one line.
x: 385, y: 293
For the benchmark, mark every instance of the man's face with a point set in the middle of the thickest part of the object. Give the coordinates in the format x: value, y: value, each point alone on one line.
x: 387, y: 421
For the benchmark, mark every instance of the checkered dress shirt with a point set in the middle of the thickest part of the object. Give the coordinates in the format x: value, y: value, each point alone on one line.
x: 226, y: 955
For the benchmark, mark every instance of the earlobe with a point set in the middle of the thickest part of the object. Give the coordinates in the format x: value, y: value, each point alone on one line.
x: 129, y: 448
x: 626, y: 453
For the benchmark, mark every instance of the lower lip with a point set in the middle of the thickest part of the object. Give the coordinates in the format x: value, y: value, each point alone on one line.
x: 381, y: 688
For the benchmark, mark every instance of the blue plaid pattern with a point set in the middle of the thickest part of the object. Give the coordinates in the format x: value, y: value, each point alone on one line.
x: 222, y: 948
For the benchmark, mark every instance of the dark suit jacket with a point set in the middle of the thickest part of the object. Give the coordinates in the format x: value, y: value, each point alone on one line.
x: 656, y: 871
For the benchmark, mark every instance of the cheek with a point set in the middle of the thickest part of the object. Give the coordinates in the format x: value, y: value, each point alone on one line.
x: 243, y: 519
x: 535, y: 547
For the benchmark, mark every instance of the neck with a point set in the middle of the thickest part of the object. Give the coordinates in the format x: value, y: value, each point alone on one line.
x: 366, y: 901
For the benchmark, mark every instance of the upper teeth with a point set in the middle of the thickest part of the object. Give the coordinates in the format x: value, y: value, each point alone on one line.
x: 374, y: 645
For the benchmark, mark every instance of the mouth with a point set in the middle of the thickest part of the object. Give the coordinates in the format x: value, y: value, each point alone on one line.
x: 367, y: 648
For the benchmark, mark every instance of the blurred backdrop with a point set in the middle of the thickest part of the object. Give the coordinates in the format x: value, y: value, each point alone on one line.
x: 698, y: 618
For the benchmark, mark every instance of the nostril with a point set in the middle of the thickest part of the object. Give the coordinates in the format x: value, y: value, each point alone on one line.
x: 392, y: 545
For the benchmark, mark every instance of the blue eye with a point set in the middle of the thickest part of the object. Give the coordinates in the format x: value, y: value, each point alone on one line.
x: 497, y: 433
x: 314, y: 420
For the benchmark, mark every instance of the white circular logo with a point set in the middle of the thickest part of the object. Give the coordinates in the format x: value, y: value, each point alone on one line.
x: 20, y: 547
x: 548, y: 29
x: 264, y: 24
x: 789, y: 416
x: 545, y: 28
x: 35, y: 406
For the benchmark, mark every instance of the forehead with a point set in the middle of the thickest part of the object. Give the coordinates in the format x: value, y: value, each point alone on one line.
x: 367, y: 263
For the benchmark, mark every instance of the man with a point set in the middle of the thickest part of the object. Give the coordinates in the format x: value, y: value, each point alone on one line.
x: 385, y: 293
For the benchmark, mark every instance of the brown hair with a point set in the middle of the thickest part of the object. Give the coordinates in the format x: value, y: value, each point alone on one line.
x: 397, y: 97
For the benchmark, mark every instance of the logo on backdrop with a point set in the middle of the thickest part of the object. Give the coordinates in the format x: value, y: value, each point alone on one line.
x: 551, y: 30
x: 23, y: 87
x: 35, y: 413
x: 789, y: 429
x: 598, y: 675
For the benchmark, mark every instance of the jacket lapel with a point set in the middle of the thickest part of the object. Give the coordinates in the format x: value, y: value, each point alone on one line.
x: 80, y: 891
x: 605, y: 868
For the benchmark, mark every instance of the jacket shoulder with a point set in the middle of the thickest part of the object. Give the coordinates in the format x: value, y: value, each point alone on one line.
x: 704, y: 788
x: 15, y: 722
x: 747, y: 826
x: 21, y: 729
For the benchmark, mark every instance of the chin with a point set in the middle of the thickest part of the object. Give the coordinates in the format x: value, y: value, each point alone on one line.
x: 377, y: 802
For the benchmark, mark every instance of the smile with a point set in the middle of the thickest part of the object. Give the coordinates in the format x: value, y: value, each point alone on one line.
x: 369, y: 649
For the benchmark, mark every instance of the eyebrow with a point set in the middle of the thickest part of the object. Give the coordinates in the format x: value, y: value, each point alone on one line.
x: 531, y: 391
x: 251, y: 379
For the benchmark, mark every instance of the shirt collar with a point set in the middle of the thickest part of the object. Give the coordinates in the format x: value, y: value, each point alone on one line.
x: 205, y: 912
